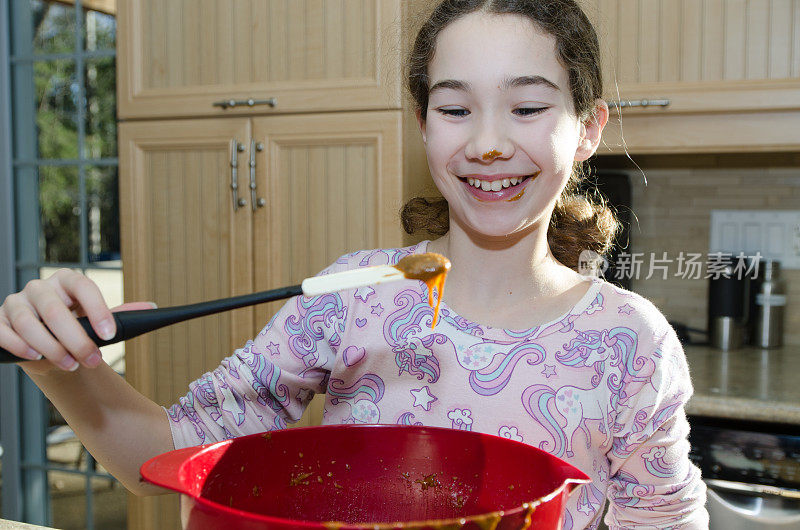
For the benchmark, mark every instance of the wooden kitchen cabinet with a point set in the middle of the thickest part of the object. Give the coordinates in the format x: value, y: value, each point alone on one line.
x: 729, y: 68
x: 333, y: 185
x: 182, y: 243
x: 176, y: 58
x: 325, y: 185
x: 702, y: 55
x: 328, y: 165
x: 330, y: 184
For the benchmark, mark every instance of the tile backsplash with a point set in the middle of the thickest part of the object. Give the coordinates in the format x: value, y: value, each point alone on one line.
x: 672, y: 214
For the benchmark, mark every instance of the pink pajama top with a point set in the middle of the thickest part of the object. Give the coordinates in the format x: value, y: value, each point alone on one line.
x: 602, y: 387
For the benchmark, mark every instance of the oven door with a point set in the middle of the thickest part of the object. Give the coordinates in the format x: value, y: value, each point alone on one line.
x: 738, y: 505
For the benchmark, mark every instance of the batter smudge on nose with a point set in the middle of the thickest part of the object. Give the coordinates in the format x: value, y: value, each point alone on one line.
x: 494, y: 153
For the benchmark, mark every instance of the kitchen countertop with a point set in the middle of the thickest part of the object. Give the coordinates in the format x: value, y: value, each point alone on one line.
x: 14, y: 525
x: 747, y: 384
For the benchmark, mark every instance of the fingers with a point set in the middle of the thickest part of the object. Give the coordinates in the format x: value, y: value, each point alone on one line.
x: 39, y: 321
x: 24, y: 323
x: 71, y: 285
x: 38, y: 315
x: 13, y: 343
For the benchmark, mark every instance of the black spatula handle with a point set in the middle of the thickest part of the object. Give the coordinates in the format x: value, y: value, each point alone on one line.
x: 131, y: 324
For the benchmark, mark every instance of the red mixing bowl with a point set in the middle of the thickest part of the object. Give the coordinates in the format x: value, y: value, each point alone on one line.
x: 367, y: 476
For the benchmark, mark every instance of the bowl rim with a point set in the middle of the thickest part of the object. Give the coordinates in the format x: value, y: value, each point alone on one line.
x: 185, y: 455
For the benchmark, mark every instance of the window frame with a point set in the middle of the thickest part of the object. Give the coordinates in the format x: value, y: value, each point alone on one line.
x: 25, y: 467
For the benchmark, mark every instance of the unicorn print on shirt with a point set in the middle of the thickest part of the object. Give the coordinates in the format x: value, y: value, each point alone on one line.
x: 573, y: 405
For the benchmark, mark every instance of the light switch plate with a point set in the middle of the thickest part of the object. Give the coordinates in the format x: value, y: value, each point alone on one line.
x: 773, y: 233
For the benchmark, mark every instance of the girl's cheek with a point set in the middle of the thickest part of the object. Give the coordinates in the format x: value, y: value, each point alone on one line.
x: 567, y: 134
x: 441, y: 133
x: 442, y: 143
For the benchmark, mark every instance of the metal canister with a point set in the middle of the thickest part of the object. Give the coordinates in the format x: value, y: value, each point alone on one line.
x: 770, y: 303
x: 727, y: 309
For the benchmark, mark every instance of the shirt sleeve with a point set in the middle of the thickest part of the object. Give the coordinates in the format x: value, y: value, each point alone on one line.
x: 653, y: 483
x: 270, y: 381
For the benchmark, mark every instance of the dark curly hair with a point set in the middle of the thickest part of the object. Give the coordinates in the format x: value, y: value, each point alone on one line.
x: 579, y: 222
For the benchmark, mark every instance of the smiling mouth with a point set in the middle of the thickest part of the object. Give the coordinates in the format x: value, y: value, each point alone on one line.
x: 496, y: 185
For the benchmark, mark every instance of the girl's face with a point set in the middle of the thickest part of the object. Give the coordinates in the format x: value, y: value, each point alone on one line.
x: 501, y: 133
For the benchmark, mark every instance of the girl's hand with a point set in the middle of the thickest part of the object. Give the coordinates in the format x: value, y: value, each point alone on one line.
x: 40, y: 322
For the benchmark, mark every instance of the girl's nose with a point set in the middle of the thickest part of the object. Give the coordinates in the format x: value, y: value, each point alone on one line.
x: 489, y: 143
x: 491, y: 154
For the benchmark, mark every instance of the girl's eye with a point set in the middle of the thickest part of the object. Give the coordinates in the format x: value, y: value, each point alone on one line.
x: 456, y: 112
x: 529, y: 111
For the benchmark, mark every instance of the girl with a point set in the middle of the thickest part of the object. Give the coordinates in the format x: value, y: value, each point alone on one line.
x: 508, y: 96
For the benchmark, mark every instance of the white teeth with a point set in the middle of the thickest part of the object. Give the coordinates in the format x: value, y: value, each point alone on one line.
x: 495, y: 185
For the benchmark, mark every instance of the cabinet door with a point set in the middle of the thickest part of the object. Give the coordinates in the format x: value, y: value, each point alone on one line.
x: 730, y: 70
x: 178, y: 57
x: 332, y: 185
x: 702, y: 55
x: 182, y: 243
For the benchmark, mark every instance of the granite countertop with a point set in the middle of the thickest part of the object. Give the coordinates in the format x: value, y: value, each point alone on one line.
x: 747, y: 384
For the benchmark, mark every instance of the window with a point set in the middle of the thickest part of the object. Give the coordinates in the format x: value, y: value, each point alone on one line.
x: 64, y: 164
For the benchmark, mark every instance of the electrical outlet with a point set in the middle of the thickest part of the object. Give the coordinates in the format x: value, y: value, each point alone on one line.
x: 773, y: 233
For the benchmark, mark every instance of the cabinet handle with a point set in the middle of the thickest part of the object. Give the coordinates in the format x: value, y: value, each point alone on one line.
x: 622, y: 103
x: 260, y: 201
x: 245, y: 103
x: 236, y: 148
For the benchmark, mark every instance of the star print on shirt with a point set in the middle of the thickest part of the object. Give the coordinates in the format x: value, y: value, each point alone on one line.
x: 377, y: 310
x: 548, y: 371
x: 423, y: 397
x: 627, y: 309
x: 364, y: 293
x: 473, y: 359
x: 273, y: 349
